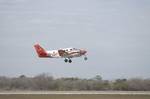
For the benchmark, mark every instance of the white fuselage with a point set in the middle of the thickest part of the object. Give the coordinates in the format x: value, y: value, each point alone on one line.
x: 53, y: 54
x: 71, y: 52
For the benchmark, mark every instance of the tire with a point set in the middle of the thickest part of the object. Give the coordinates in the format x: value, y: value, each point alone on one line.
x: 85, y: 58
x: 70, y: 61
x: 66, y: 60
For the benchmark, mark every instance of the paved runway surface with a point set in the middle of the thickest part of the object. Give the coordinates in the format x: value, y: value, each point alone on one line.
x: 75, y: 95
x: 78, y: 92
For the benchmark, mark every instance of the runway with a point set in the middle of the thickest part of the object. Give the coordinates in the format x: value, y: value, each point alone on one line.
x: 75, y: 95
x: 79, y: 92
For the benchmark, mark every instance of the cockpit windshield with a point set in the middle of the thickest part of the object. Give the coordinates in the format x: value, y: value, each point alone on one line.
x: 75, y: 49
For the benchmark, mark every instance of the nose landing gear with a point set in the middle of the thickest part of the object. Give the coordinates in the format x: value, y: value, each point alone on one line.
x: 85, y: 58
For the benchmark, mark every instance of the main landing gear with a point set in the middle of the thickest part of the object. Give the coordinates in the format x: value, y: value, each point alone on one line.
x: 85, y: 58
x: 68, y: 60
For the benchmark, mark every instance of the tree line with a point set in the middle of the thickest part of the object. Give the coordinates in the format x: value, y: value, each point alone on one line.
x: 47, y: 82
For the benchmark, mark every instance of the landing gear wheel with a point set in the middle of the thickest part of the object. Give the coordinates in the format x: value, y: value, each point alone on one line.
x: 85, y: 58
x: 70, y: 61
x: 66, y: 60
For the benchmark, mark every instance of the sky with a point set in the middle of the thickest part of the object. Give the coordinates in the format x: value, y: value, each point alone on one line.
x: 115, y: 33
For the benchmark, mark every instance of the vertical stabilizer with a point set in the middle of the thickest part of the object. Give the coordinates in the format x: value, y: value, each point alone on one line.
x: 40, y: 51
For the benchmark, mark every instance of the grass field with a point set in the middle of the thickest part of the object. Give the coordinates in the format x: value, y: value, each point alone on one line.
x: 73, y: 96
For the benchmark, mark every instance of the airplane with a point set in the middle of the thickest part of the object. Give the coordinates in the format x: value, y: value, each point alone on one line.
x: 66, y: 53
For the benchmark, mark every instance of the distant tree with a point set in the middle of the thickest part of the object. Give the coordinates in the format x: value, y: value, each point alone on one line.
x: 120, y: 84
x: 47, y: 82
x: 5, y: 83
x: 139, y: 84
x: 22, y: 76
x: 43, y: 82
x: 98, y: 78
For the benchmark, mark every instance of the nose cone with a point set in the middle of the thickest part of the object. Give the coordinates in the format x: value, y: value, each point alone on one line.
x: 82, y: 51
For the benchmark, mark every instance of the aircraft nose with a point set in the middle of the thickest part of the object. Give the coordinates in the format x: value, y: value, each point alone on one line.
x: 83, y: 51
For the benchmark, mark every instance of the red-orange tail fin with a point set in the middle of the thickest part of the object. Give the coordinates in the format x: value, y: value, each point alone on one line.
x: 40, y: 51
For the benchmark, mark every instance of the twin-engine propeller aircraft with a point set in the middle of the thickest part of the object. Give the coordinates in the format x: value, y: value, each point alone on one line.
x: 66, y: 53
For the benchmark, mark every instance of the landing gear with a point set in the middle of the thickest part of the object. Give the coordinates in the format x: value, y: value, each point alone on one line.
x: 68, y: 60
x: 85, y: 58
